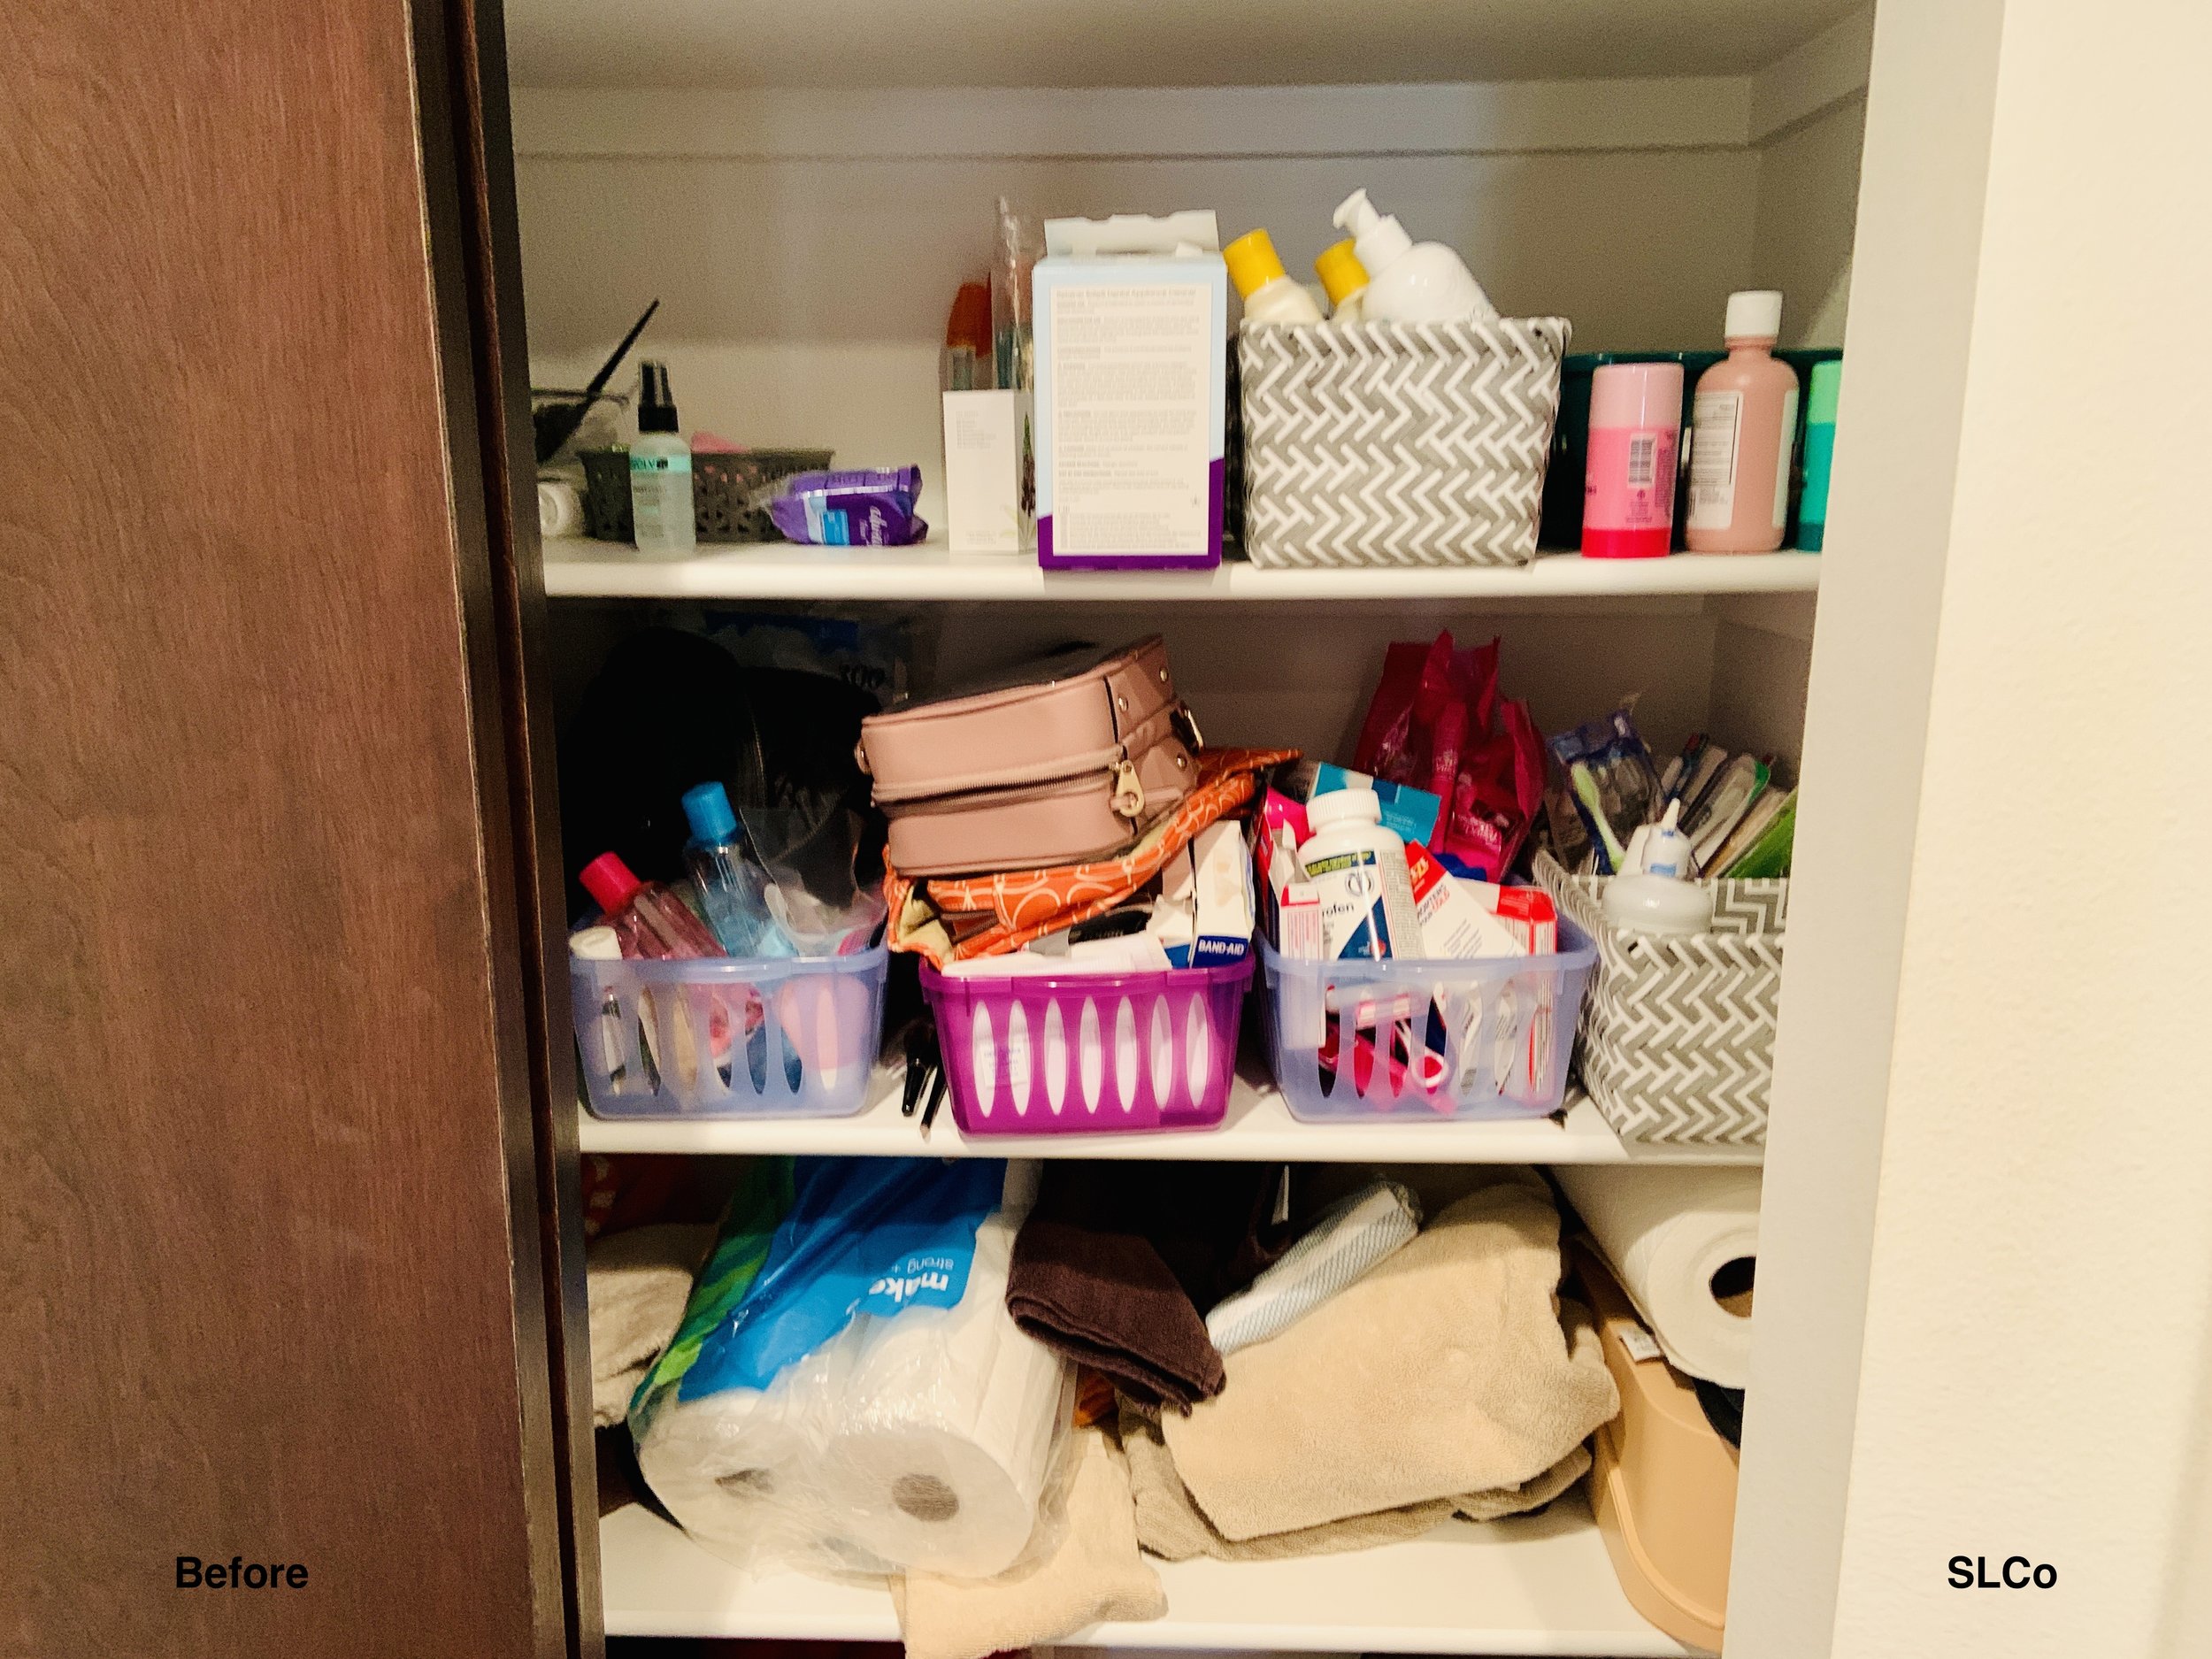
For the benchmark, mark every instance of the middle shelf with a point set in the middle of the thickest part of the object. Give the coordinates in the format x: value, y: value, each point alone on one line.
x: 1258, y: 1128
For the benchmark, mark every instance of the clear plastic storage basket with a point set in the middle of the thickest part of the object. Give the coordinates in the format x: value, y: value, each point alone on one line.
x: 728, y: 1037
x: 1089, y: 1053
x: 1486, y: 1038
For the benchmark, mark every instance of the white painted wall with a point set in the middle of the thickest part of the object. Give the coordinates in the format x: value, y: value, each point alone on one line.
x: 2039, y: 1314
x: 804, y: 301
x: 1807, y: 198
x: 1762, y: 660
x: 1918, y: 268
x: 832, y: 43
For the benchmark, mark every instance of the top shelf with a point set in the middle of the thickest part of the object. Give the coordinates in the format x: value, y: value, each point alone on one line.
x: 576, y: 568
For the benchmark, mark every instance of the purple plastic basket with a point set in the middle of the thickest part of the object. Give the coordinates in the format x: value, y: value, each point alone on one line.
x: 1507, y: 1025
x: 1089, y: 1053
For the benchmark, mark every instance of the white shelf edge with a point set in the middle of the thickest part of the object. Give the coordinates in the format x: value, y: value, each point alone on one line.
x: 903, y: 124
x: 577, y: 568
x: 1544, y: 1583
x: 1258, y: 1127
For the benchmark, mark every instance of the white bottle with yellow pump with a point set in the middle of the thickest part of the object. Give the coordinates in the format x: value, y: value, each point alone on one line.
x: 1270, y: 296
x: 1346, y: 279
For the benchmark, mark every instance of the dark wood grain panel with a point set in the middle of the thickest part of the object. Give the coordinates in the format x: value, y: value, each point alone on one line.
x: 489, y: 232
x: 265, y: 1089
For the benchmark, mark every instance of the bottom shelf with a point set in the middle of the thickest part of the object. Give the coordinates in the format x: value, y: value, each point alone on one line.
x: 1541, y: 1585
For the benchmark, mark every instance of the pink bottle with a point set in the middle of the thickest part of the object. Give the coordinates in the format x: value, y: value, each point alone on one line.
x: 651, y: 922
x: 1743, y: 425
x: 1628, y: 490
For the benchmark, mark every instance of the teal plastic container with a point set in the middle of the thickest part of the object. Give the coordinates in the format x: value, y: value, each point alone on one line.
x: 1819, y: 452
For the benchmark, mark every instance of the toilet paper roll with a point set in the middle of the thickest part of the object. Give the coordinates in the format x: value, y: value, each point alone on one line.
x: 560, y: 509
x: 943, y: 1440
x: 1679, y: 1240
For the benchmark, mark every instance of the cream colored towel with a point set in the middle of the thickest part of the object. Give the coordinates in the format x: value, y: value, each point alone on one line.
x: 1169, y: 1524
x: 1096, y: 1573
x: 636, y: 1284
x: 1444, y: 1370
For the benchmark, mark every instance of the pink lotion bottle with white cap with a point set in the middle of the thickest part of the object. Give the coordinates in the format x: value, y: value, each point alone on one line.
x: 1743, y: 425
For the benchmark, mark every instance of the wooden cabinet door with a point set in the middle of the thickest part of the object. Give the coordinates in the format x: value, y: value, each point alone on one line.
x: 272, y: 1095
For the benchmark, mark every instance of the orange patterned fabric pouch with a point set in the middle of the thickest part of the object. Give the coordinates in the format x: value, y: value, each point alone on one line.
x: 952, y: 917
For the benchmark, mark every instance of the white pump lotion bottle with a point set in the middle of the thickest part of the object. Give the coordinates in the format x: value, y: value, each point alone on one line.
x: 1410, y: 282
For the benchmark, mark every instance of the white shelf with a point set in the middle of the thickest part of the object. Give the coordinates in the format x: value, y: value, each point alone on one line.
x: 577, y: 568
x: 1258, y: 1127
x: 1537, y: 1586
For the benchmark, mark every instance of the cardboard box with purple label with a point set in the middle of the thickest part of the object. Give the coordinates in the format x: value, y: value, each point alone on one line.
x: 1131, y: 327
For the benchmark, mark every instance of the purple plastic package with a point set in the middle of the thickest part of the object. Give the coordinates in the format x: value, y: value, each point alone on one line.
x: 866, y: 507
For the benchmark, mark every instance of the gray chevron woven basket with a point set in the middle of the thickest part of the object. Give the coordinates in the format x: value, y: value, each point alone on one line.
x: 1676, y: 1042
x: 1395, y: 443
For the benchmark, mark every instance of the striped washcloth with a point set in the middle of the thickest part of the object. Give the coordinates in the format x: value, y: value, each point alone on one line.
x: 1345, y: 1240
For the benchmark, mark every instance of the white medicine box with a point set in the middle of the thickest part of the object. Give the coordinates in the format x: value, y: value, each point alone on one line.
x: 1132, y: 380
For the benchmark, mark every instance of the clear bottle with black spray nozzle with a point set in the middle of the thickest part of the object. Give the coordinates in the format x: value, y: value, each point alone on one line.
x: 660, y: 472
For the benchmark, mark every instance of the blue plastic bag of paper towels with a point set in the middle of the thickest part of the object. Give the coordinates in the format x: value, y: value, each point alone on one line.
x: 848, y: 1393
x: 862, y: 1235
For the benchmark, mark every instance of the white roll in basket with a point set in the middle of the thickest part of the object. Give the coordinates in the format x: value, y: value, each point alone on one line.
x: 1679, y: 1240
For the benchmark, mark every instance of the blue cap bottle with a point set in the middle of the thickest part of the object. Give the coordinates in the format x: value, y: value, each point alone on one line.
x: 732, y: 887
x: 707, y: 807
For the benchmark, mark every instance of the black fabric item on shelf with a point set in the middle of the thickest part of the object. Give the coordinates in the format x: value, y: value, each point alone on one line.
x: 1723, y: 1409
x: 620, y: 1481
x: 1117, y: 1263
x: 669, y: 710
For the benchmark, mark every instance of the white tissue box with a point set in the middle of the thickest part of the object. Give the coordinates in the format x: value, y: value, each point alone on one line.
x: 983, y: 493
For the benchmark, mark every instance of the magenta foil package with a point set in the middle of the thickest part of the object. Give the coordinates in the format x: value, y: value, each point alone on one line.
x: 866, y: 507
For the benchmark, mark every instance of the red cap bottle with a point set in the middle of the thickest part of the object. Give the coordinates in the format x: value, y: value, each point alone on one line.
x: 609, y: 881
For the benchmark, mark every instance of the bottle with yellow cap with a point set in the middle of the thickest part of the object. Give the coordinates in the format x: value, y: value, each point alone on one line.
x: 1346, y: 279
x: 1270, y: 296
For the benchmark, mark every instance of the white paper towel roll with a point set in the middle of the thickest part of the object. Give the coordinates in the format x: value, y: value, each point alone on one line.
x: 728, y: 1471
x: 1668, y: 1234
x: 943, y: 1438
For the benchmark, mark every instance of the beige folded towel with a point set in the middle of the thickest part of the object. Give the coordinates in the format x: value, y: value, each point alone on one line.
x: 1169, y: 1524
x: 636, y: 1284
x: 1094, y: 1574
x: 1444, y: 1370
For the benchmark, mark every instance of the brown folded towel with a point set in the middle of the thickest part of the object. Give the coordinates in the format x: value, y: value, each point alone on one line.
x: 1117, y: 1263
x: 1171, y: 1525
x: 1443, y: 1371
